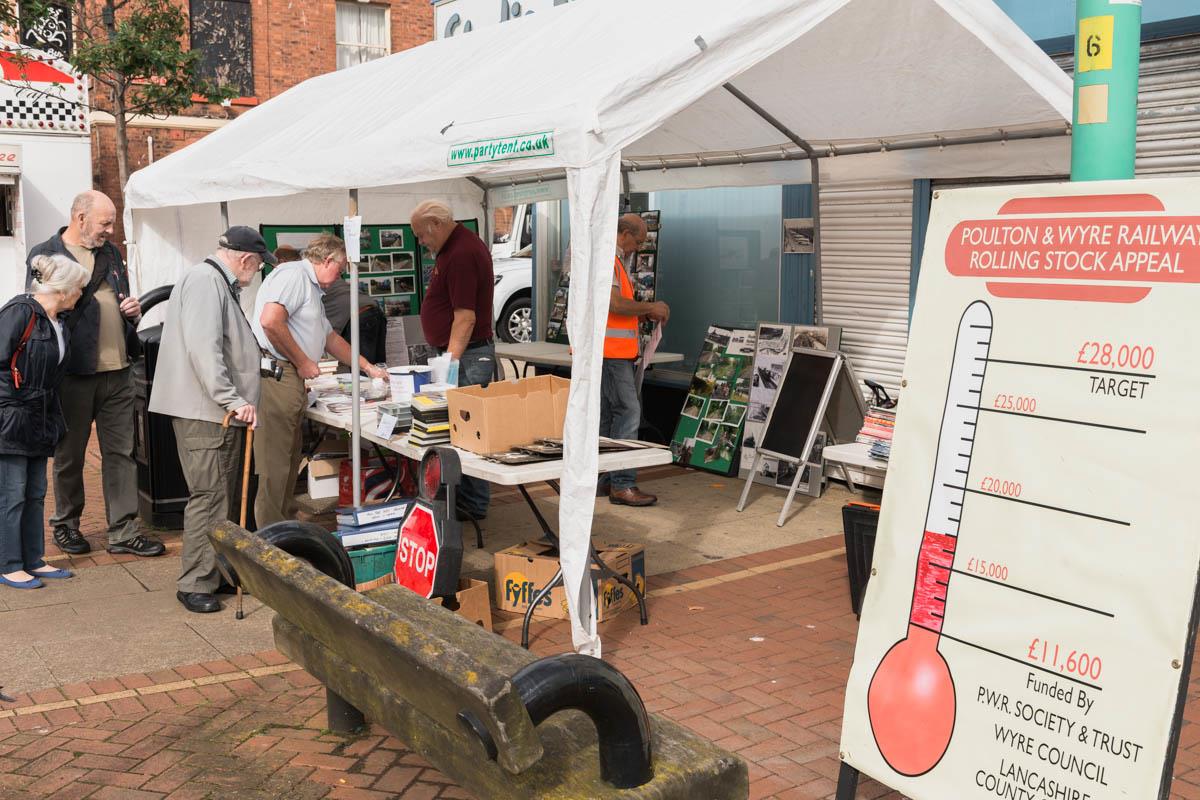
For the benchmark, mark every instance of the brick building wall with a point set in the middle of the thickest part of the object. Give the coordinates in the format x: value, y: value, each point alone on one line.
x: 291, y: 42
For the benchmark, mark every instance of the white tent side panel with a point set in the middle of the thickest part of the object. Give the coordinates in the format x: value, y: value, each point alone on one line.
x: 169, y: 240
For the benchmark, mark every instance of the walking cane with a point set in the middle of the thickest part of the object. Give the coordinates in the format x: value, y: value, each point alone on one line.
x: 245, y: 493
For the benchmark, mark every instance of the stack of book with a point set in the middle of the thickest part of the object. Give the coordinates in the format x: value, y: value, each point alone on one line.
x: 370, y: 524
x: 877, y: 430
x: 430, y: 421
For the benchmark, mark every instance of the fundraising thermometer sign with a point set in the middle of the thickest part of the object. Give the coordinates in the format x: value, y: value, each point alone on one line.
x: 1025, y: 631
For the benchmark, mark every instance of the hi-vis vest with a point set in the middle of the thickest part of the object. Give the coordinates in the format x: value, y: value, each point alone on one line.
x: 621, y: 333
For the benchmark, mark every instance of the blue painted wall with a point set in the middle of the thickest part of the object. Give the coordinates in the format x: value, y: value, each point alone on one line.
x: 1052, y: 20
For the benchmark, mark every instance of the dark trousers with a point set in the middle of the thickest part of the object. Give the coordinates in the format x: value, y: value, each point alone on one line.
x: 106, y: 399
x: 476, y: 367
x: 620, y: 412
x: 22, y: 503
x: 372, y: 334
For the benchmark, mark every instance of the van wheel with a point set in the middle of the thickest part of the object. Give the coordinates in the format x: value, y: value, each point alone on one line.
x: 516, y: 323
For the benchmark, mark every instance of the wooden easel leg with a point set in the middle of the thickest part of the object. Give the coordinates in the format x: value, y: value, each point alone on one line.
x: 847, y: 785
x: 749, y: 480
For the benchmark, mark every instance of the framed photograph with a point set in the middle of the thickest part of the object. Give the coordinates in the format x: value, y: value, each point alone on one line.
x: 734, y: 414
x: 812, y: 337
x: 685, y: 452
x: 716, y: 410
x: 405, y: 284
x: 364, y: 288
x: 391, y: 238
x: 401, y: 307
x: 772, y: 339
x: 364, y: 240
x: 382, y: 286
x: 380, y: 264
x: 718, y: 337
x: 645, y: 280
x: 722, y: 390
x: 645, y: 262
x: 707, y: 432
x: 798, y: 235
x: 651, y: 243
x: 651, y: 219
x: 692, y: 407
x: 402, y: 262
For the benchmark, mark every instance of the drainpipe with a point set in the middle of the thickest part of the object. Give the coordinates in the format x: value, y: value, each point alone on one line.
x: 1108, y: 39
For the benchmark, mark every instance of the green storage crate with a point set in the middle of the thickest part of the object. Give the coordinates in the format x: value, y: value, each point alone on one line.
x: 373, y: 561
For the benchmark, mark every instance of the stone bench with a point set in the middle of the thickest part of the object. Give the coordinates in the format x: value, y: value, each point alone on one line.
x: 475, y: 705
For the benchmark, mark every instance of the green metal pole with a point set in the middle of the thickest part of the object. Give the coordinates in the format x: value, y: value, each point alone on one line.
x: 1108, y: 38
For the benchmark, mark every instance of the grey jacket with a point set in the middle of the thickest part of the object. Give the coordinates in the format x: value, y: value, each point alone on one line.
x: 208, y: 358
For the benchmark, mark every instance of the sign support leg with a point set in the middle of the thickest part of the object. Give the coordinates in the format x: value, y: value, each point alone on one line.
x: 787, y: 504
x: 749, y: 480
x: 847, y: 785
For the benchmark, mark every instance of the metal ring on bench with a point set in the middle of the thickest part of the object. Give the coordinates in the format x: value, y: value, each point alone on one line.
x: 598, y: 689
x: 310, y: 542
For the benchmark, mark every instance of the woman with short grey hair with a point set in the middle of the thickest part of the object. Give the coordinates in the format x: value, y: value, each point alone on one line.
x: 33, y: 350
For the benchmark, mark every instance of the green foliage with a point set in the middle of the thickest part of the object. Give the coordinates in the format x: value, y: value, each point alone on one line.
x: 137, y: 52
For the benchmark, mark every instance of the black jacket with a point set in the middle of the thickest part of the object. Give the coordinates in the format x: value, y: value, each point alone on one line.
x: 31, y: 418
x: 84, y: 321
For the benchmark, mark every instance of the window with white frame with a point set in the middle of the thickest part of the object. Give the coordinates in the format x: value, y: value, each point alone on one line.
x: 363, y: 33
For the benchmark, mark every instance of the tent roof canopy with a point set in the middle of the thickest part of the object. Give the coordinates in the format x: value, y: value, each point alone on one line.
x: 668, y: 85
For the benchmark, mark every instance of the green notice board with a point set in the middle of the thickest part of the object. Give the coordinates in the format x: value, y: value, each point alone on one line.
x: 714, y: 412
x: 387, y: 269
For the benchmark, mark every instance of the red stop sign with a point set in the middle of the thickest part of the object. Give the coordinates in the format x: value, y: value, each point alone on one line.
x: 417, y: 552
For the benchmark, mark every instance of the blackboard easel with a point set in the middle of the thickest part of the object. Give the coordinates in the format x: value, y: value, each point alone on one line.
x: 818, y: 389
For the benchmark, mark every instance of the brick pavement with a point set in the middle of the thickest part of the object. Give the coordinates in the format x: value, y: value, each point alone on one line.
x: 751, y: 652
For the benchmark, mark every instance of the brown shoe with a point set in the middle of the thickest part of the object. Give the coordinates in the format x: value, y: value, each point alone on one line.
x: 632, y: 496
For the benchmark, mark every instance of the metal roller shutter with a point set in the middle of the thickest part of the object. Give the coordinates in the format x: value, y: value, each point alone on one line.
x: 866, y: 256
x: 1168, y: 106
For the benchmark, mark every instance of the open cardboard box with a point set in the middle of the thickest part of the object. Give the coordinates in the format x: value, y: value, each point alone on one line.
x: 522, y: 570
x: 507, y: 413
x: 473, y: 603
x: 323, y: 468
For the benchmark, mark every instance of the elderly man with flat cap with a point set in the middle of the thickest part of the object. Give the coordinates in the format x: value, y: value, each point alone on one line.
x: 208, y: 375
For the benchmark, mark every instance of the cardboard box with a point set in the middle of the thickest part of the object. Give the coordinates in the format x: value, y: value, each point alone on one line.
x: 323, y: 472
x: 507, y: 413
x: 522, y: 570
x: 472, y: 597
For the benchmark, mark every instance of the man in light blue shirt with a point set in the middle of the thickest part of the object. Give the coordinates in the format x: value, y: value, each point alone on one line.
x: 289, y: 322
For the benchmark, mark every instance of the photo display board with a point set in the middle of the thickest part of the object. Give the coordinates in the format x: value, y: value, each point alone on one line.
x: 1025, y: 633
x: 773, y: 342
x: 709, y: 430
x: 643, y: 273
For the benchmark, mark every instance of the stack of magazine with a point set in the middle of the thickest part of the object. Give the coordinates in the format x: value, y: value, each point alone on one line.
x: 430, y: 421
x: 550, y: 450
x: 358, y: 527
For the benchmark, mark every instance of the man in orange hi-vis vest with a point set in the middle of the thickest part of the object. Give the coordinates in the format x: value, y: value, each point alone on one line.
x: 620, y: 407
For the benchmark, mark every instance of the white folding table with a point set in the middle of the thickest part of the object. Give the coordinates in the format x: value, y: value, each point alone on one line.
x: 857, y: 455
x: 549, y: 354
x: 643, y: 455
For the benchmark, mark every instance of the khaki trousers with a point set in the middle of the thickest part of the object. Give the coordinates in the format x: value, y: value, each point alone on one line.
x: 210, y: 456
x: 105, y: 398
x: 277, y: 446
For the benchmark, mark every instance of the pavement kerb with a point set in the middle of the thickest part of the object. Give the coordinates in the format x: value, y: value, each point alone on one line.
x: 207, y: 680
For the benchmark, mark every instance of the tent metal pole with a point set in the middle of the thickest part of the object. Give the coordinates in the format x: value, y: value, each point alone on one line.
x: 815, y: 184
x: 355, y: 391
x: 770, y: 120
x: 224, y: 216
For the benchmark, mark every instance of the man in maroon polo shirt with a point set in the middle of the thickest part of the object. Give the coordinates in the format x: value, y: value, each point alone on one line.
x: 456, y: 314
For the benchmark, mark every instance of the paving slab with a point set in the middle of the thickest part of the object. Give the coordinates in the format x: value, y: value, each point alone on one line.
x: 88, y: 586
x: 124, y: 652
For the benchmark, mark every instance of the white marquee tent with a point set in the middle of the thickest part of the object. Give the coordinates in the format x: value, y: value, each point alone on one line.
x: 619, y: 95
